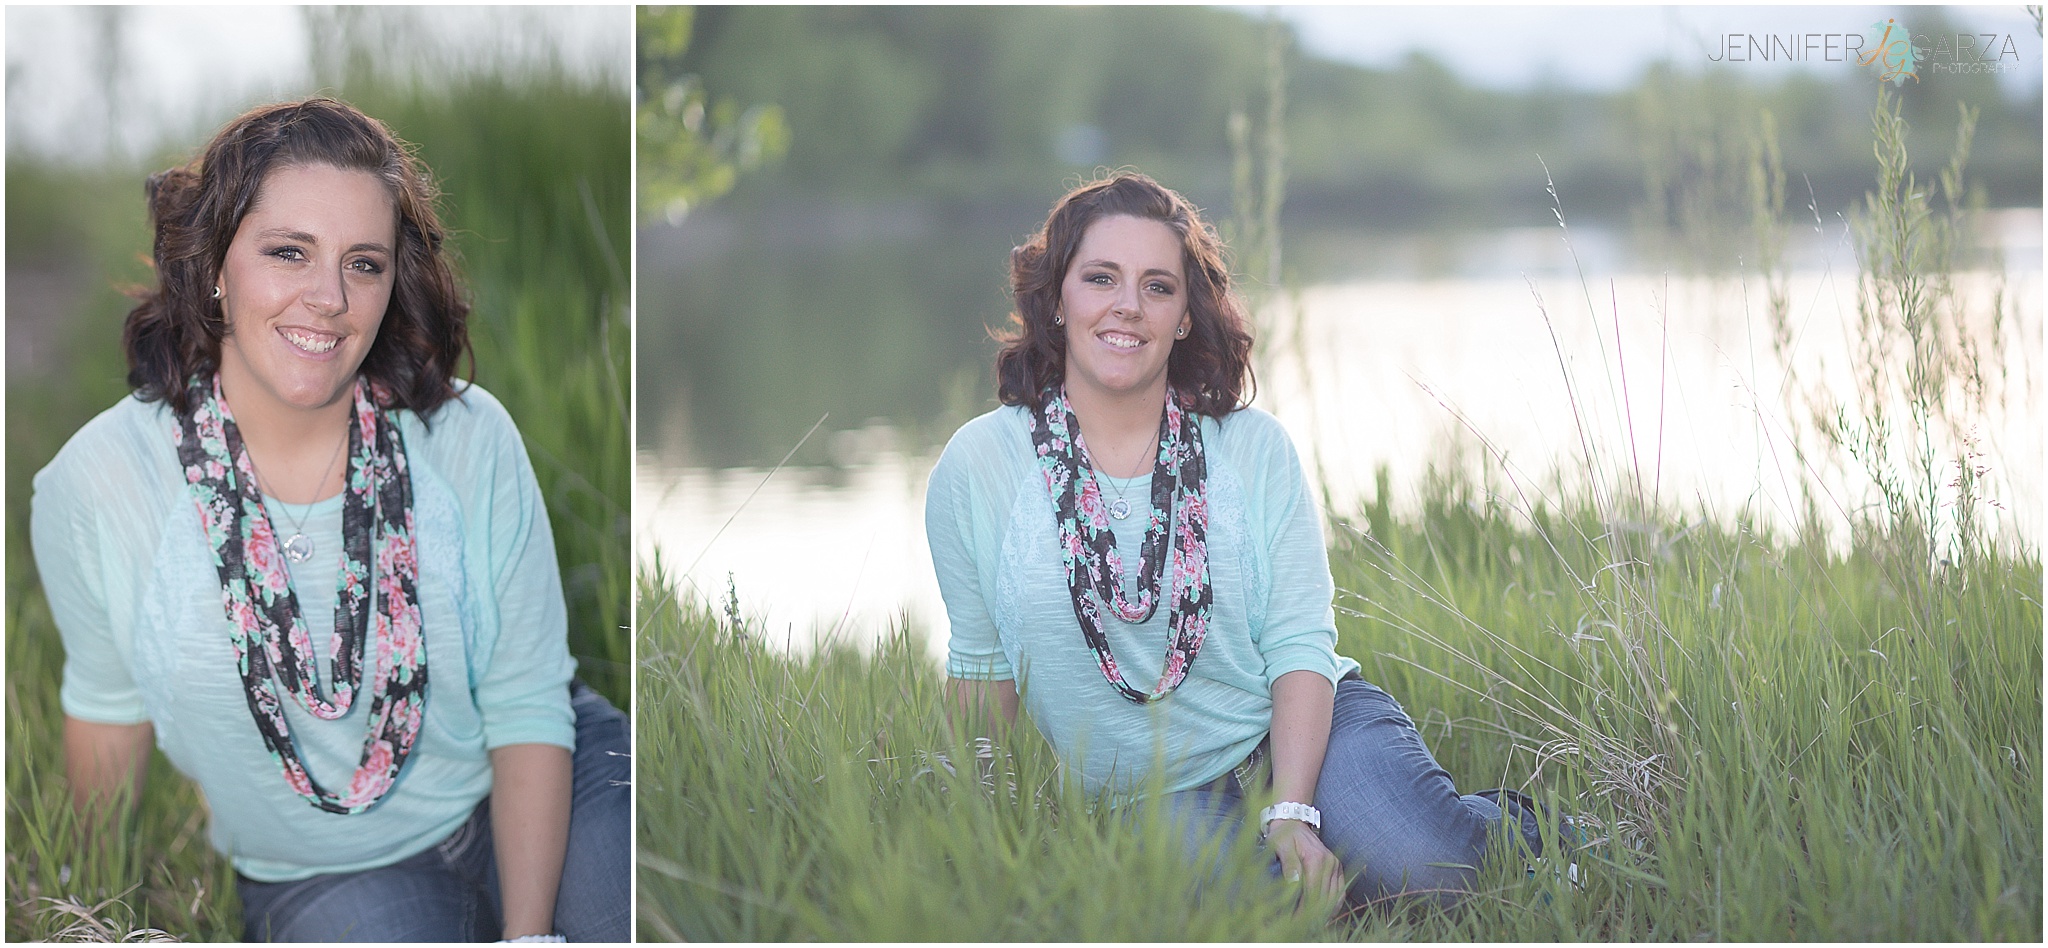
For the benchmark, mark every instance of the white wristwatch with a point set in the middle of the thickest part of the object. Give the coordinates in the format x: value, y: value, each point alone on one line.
x: 1290, y: 811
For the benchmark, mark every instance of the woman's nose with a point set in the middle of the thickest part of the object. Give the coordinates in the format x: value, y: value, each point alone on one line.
x: 327, y: 294
x: 1127, y: 299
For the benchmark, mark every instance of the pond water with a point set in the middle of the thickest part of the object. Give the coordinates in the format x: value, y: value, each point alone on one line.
x: 854, y: 348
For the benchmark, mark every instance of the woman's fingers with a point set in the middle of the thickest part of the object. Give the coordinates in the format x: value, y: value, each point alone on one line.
x: 1305, y: 860
x: 1321, y: 872
x: 1290, y: 863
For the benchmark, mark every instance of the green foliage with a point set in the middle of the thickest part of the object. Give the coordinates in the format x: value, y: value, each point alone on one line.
x: 536, y: 175
x: 988, y: 104
x: 1761, y: 752
x: 1703, y: 138
x: 158, y: 871
x: 976, y: 101
x: 544, y: 231
x: 692, y: 148
x: 1772, y: 752
x: 1928, y: 372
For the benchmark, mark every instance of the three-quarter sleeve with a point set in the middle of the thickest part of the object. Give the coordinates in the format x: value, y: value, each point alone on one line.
x: 64, y: 531
x: 522, y: 689
x: 973, y: 648
x: 1300, y: 629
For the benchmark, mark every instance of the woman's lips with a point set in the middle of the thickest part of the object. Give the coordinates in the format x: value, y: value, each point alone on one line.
x: 309, y: 342
x: 1121, y: 340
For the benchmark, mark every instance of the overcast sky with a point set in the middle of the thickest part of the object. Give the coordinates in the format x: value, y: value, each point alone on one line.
x: 185, y: 70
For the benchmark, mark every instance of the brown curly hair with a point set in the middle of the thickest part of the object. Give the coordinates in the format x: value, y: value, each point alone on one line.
x: 1211, y: 368
x: 175, y: 331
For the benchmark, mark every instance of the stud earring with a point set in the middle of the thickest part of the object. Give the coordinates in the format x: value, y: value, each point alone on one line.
x: 1182, y: 334
x: 216, y: 291
x: 1058, y: 320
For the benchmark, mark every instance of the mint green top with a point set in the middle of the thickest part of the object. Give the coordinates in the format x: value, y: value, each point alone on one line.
x: 132, y: 585
x: 994, y: 543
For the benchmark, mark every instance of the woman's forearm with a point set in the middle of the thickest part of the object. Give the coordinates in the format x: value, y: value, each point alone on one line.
x: 1301, y: 733
x: 970, y: 702
x: 1302, y: 703
x: 530, y: 785
x: 106, y: 763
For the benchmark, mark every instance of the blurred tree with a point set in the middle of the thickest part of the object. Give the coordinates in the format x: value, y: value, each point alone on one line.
x: 998, y: 105
x: 692, y: 147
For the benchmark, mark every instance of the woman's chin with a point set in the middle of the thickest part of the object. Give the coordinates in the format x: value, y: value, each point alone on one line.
x: 327, y: 399
x: 1119, y: 388
x: 314, y: 395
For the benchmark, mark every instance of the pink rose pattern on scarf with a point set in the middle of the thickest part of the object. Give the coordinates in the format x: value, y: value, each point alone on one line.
x: 1095, y: 570
x: 272, y: 645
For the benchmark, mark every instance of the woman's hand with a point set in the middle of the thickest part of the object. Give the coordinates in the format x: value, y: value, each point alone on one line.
x: 1304, y: 859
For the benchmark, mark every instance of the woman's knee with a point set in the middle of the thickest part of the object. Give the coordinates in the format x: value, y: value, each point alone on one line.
x: 1390, y: 811
x: 1360, y: 704
x: 1442, y: 869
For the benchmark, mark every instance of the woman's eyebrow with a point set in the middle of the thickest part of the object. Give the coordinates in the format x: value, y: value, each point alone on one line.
x: 1112, y: 265
x: 286, y: 233
x: 300, y: 236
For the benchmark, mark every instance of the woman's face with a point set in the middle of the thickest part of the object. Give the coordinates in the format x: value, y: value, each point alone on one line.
x: 304, y: 287
x: 1124, y: 299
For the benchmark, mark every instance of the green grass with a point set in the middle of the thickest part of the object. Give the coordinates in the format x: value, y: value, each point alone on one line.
x: 1831, y: 769
x: 536, y: 172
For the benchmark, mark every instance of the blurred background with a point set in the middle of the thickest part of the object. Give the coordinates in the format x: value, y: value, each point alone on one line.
x: 524, y: 114
x: 1440, y: 216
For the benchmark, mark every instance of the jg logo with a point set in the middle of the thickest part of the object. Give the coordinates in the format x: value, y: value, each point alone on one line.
x: 1892, y: 52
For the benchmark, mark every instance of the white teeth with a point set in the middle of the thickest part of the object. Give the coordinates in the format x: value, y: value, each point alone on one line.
x: 1123, y: 342
x: 311, y: 343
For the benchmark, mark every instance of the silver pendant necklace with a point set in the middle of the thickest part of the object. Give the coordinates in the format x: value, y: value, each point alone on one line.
x: 298, y: 547
x: 1120, y: 508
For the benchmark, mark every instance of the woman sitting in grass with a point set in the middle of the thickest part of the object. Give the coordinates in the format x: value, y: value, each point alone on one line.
x: 1211, y: 654
x: 299, y: 458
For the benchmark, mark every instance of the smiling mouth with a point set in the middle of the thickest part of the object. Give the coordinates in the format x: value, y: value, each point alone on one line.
x: 1121, y: 340
x: 315, y: 343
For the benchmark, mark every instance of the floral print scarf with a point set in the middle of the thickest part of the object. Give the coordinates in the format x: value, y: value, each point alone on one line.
x: 272, y: 644
x: 1095, y: 570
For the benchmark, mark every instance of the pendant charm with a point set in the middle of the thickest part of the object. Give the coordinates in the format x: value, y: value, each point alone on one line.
x: 1120, y: 508
x: 298, y: 549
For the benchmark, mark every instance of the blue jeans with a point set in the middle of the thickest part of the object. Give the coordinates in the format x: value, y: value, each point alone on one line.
x: 1390, y: 813
x: 449, y: 892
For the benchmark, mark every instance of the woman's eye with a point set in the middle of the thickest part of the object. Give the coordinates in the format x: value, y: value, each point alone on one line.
x: 1100, y: 279
x: 370, y: 267
x: 1160, y: 288
x: 287, y: 253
